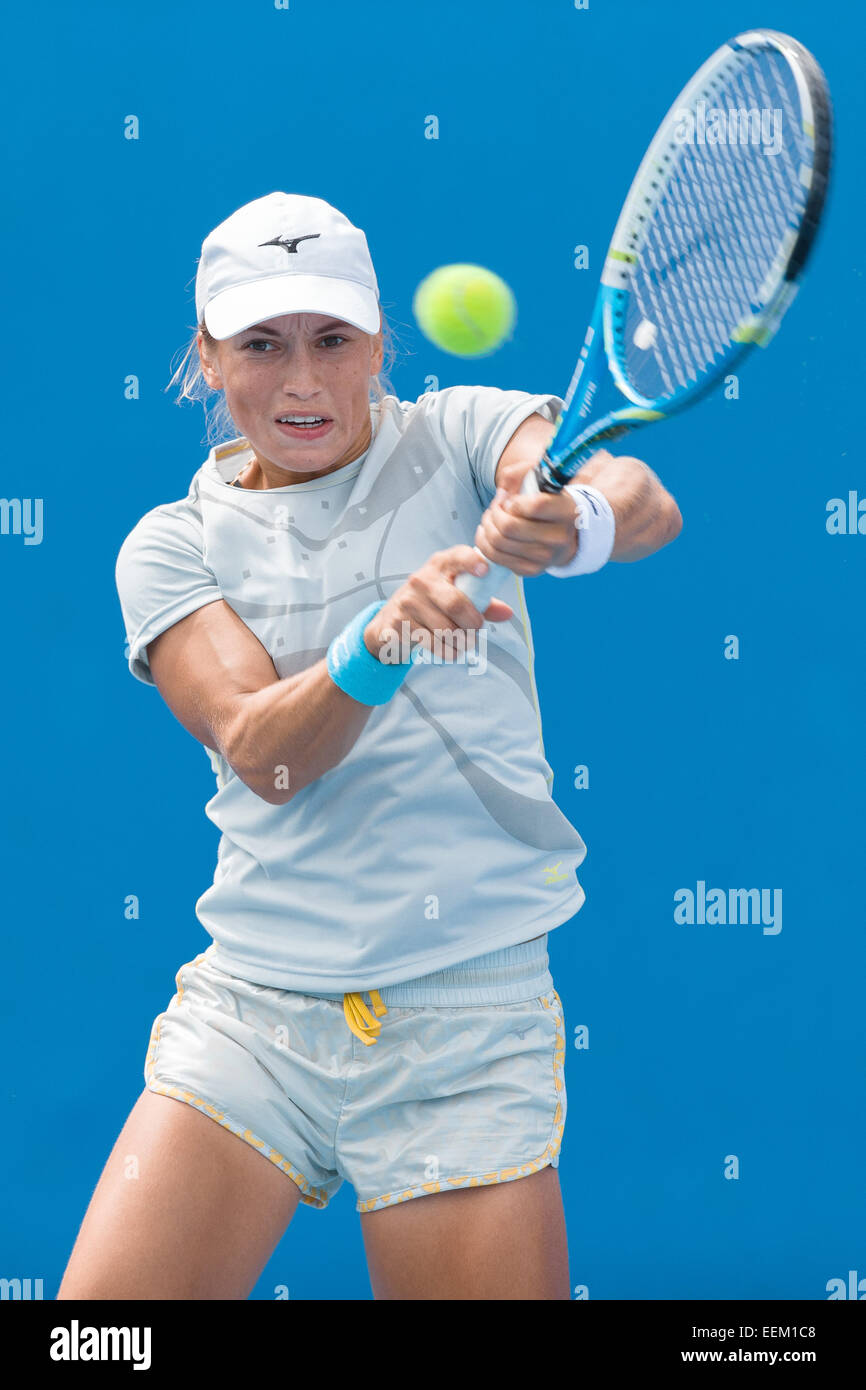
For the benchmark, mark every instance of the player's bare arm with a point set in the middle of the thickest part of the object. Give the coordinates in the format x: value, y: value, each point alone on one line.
x: 529, y: 533
x: 223, y: 687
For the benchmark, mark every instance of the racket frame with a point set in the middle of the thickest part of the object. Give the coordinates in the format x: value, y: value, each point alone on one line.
x: 600, y: 381
x: 607, y: 328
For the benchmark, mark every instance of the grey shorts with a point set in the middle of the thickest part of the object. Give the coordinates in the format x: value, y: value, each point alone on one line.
x: 398, y: 1095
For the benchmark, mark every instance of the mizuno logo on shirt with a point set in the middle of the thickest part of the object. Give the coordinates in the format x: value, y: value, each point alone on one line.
x: 554, y: 874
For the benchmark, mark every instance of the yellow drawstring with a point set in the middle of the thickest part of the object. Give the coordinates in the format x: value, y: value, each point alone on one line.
x: 359, y: 1018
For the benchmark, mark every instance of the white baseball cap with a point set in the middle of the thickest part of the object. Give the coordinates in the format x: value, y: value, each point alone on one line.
x: 285, y: 254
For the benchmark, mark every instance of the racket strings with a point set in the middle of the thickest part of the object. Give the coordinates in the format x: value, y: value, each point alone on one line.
x: 692, y: 302
x: 686, y: 304
x: 686, y: 300
x: 792, y: 120
x: 716, y: 232
x: 774, y: 181
x: 719, y: 285
x: 736, y: 282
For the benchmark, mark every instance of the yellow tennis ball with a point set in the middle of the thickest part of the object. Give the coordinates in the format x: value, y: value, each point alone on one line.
x: 465, y: 309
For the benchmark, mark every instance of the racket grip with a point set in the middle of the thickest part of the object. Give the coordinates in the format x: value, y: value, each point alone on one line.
x: 481, y: 589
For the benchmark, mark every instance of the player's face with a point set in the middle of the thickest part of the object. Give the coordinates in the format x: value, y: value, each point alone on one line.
x: 300, y: 365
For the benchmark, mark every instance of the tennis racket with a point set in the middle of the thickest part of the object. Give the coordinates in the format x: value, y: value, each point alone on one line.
x: 706, y: 254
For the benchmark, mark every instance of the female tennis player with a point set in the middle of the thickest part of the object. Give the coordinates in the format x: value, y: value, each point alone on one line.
x: 376, y: 1002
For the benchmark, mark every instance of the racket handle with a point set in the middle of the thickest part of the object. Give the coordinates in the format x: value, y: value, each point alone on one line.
x: 481, y: 589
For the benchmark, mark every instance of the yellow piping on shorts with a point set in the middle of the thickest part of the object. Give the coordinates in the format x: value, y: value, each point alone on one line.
x: 359, y: 1018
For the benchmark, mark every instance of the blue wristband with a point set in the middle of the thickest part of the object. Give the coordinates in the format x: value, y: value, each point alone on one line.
x: 355, y: 671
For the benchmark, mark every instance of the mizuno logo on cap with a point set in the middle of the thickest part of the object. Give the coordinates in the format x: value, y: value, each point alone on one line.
x: 290, y: 244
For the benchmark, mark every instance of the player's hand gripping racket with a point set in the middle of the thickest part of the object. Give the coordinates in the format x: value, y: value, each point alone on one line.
x: 705, y: 256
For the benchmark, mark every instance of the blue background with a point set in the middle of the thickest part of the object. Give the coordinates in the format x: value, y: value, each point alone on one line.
x: 704, y: 1041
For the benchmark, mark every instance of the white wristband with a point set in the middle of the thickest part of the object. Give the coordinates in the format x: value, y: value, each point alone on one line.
x: 596, y: 532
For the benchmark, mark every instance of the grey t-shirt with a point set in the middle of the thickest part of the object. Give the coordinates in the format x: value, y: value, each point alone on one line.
x: 435, y: 839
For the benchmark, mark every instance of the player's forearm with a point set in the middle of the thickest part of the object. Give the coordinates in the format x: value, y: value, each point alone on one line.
x: 291, y: 732
x: 646, y: 515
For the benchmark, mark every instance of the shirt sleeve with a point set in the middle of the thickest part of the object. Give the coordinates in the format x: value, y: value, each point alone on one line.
x: 476, y: 423
x: 161, y: 577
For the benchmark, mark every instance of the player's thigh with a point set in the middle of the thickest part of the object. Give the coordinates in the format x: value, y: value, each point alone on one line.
x: 504, y: 1241
x: 183, y: 1209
